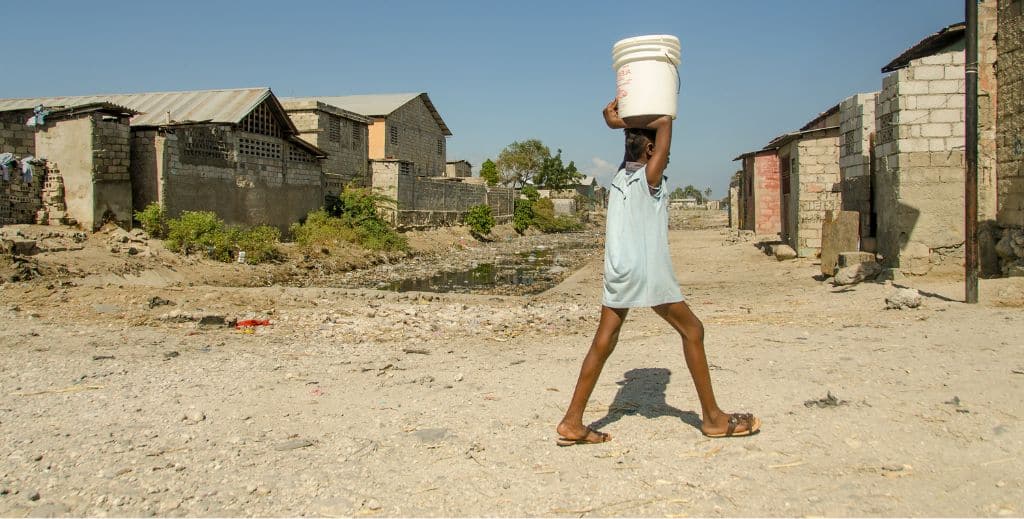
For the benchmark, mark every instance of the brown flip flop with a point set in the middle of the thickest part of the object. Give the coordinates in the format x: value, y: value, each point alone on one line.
x: 753, y: 426
x: 569, y: 442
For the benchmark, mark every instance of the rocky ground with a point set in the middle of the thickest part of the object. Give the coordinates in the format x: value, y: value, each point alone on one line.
x: 126, y: 392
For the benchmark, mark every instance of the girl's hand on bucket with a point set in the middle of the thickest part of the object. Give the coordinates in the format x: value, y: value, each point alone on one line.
x: 611, y: 115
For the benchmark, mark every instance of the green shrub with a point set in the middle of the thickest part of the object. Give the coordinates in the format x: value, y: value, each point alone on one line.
x: 153, y: 220
x: 259, y: 243
x: 480, y: 220
x: 196, y: 231
x: 203, y: 232
x: 350, y: 218
x: 545, y: 220
x: 531, y: 193
x: 522, y: 215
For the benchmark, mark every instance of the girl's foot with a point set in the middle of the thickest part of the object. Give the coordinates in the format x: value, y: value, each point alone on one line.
x: 579, y: 435
x: 727, y: 425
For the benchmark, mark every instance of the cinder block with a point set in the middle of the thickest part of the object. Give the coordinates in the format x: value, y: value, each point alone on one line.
x: 928, y: 72
x: 931, y: 101
x: 937, y: 59
x: 946, y: 86
x: 946, y: 116
x: 954, y: 72
x: 936, y: 130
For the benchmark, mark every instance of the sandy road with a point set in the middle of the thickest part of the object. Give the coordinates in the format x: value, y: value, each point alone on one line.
x: 357, y: 403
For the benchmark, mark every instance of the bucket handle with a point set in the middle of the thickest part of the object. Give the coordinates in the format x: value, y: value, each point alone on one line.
x: 679, y: 81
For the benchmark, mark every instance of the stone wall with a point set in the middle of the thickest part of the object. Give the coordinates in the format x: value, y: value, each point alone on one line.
x: 15, y: 136
x: 1010, y: 149
x: 459, y: 168
x: 419, y: 139
x: 856, y: 137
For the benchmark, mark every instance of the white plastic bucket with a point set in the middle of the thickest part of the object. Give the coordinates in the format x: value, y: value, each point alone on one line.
x: 647, y: 75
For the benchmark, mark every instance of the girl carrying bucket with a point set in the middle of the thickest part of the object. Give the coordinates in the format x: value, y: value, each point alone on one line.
x: 638, y: 273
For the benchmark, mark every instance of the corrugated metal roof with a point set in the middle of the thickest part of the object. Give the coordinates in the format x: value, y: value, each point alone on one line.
x: 296, y: 104
x: 218, y: 106
x: 375, y: 105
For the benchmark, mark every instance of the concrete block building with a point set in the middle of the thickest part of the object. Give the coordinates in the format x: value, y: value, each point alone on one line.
x: 234, y: 152
x: 88, y: 141
x: 458, y: 169
x: 341, y: 134
x: 856, y: 168
x: 809, y: 180
x: 403, y: 127
x: 759, y: 192
x: 919, y: 153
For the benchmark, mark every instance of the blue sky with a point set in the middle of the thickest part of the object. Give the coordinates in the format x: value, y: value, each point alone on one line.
x: 497, y: 71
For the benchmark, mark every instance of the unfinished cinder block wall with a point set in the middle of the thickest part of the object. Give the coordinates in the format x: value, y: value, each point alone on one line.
x: 919, y: 153
x: 813, y: 186
x: 91, y: 150
x: 856, y: 135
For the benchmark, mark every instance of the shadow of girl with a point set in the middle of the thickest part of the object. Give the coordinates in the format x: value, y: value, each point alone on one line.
x: 642, y: 392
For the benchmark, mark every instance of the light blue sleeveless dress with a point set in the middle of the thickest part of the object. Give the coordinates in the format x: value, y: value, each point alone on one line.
x: 637, y: 266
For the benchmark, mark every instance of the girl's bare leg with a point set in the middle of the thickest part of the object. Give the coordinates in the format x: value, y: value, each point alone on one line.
x: 691, y: 330
x: 607, y: 336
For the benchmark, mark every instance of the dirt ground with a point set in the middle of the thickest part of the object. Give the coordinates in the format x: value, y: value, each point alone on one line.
x: 125, y: 394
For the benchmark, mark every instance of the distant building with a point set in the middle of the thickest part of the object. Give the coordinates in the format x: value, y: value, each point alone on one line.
x: 758, y: 192
x: 341, y: 134
x: 403, y: 127
x: 234, y: 152
x: 458, y: 169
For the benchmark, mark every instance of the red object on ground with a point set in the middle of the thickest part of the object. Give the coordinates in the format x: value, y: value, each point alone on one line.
x: 249, y: 323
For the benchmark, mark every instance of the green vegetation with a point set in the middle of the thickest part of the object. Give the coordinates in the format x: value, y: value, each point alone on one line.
x: 480, y: 220
x: 690, y: 192
x: 203, y: 232
x: 520, y: 161
x: 489, y: 172
x: 522, y: 215
x: 544, y: 218
x: 554, y: 174
x: 350, y: 218
x: 153, y: 220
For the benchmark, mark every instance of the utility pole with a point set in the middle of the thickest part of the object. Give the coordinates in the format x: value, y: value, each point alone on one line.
x: 971, y: 157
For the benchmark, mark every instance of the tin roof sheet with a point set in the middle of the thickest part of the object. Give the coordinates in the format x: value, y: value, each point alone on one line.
x: 161, y: 108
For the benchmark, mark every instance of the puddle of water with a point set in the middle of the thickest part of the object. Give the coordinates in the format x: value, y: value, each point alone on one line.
x: 528, y: 272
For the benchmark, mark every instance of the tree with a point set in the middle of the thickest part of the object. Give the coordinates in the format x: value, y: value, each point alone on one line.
x: 691, y: 192
x: 677, y: 193
x: 707, y: 193
x: 489, y: 172
x: 554, y: 174
x: 520, y: 161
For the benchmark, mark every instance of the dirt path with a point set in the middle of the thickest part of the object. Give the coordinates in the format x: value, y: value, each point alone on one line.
x: 356, y: 402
